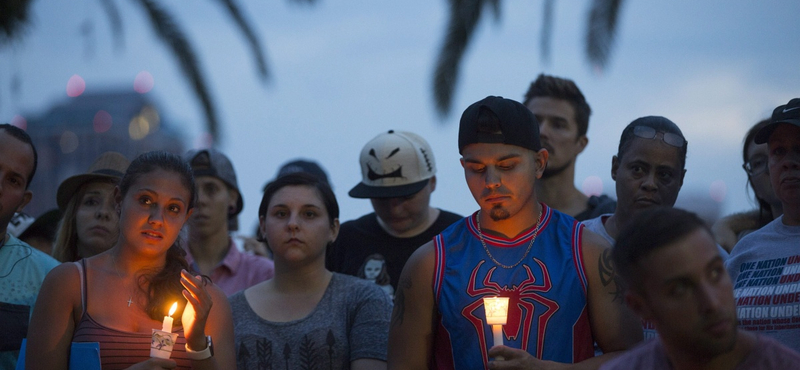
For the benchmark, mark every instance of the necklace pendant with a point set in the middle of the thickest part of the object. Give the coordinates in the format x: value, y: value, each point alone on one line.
x: 130, y: 300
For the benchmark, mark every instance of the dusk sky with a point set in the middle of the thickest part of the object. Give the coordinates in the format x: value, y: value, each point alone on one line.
x: 345, y: 71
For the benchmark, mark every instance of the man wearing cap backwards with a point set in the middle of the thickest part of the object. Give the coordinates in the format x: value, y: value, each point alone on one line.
x: 563, y: 116
x: 562, y: 291
x: 675, y: 278
x: 211, y: 250
x: 765, y: 264
x: 398, y: 176
x: 22, y: 267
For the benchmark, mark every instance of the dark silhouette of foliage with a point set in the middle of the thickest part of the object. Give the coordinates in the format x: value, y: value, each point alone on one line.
x: 13, y: 19
x: 465, y: 15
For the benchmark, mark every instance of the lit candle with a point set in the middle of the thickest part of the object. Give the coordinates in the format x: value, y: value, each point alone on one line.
x: 496, y: 309
x: 167, y: 325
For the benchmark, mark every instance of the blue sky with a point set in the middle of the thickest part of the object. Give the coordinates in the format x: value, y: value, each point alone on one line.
x: 343, y: 72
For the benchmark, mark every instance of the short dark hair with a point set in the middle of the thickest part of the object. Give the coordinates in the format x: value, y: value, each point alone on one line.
x: 22, y: 136
x: 301, y: 179
x: 564, y: 89
x: 660, y: 124
x: 651, y: 230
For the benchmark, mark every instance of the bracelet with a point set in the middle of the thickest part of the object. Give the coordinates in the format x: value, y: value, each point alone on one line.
x: 201, y: 355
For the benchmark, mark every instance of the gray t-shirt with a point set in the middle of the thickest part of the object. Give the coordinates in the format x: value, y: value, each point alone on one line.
x: 765, y: 270
x: 350, y: 322
x: 767, y: 354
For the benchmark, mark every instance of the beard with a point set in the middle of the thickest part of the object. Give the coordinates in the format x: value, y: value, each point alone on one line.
x: 499, y: 213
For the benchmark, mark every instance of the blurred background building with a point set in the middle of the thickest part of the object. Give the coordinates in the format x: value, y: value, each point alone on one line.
x: 71, y: 134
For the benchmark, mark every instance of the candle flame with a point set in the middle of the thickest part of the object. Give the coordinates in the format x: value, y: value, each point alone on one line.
x: 173, y: 308
x: 496, y: 309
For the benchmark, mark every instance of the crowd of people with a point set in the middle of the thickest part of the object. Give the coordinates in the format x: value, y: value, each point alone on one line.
x: 621, y: 281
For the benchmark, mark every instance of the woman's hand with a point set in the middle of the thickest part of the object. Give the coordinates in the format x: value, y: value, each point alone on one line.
x: 196, y: 313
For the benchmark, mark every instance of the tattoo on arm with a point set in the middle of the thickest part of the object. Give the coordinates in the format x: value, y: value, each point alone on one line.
x: 400, y: 302
x: 608, y: 275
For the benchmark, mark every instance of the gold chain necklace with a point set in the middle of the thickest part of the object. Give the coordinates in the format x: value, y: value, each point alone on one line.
x: 483, y: 243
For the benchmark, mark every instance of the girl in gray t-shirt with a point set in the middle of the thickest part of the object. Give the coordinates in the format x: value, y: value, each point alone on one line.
x: 307, y: 317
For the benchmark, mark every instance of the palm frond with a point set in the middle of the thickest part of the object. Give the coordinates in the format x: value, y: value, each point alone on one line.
x: 495, y: 6
x: 13, y: 19
x: 112, y: 12
x: 170, y: 33
x: 602, y: 22
x: 464, y: 16
x: 252, y: 39
x: 547, y: 32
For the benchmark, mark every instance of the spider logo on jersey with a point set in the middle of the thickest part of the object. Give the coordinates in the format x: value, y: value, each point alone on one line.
x: 521, y: 308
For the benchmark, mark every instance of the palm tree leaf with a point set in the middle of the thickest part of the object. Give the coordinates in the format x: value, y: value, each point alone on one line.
x: 464, y: 16
x: 252, y: 39
x: 13, y: 19
x: 602, y: 22
x: 112, y: 11
x: 547, y: 32
x: 170, y: 33
x: 495, y: 6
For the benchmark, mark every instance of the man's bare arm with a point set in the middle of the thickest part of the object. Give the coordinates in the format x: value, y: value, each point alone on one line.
x: 411, y: 330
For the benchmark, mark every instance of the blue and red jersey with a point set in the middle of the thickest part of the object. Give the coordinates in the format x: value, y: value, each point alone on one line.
x: 548, y: 313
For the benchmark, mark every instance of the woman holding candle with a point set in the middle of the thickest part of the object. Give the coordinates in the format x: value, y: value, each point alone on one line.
x: 306, y: 316
x: 118, y: 297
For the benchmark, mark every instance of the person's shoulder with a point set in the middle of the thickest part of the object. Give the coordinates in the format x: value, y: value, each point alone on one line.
x: 596, y: 206
x: 367, y: 223
x: 645, y: 355
x: 255, y: 261
x: 591, y: 223
x: 31, y: 255
x: 352, y: 282
x: 357, y: 287
x: 755, y: 240
x: 449, y: 217
x: 363, y: 220
x: 771, y: 354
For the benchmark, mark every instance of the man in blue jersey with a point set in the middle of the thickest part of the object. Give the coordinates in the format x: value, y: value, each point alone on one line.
x: 561, y: 285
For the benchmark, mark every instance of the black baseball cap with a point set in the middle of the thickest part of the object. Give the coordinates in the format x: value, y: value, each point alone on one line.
x: 211, y: 162
x: 518, y: 125
x: 788, y: 113
x: 302, y: 165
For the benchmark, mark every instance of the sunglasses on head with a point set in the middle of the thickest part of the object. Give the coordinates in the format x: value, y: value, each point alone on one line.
x: 647, y: 132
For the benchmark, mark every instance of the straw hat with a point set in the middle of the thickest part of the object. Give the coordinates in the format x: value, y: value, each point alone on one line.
x: 109, y: 165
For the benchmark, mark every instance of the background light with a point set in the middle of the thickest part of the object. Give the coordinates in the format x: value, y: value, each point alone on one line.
x: 75, y: 86
x: 143, y: 82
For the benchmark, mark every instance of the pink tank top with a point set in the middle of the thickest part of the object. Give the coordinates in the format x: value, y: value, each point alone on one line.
x: 120, y: 349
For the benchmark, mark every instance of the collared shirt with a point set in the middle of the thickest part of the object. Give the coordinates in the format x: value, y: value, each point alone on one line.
x: 238, y: 270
